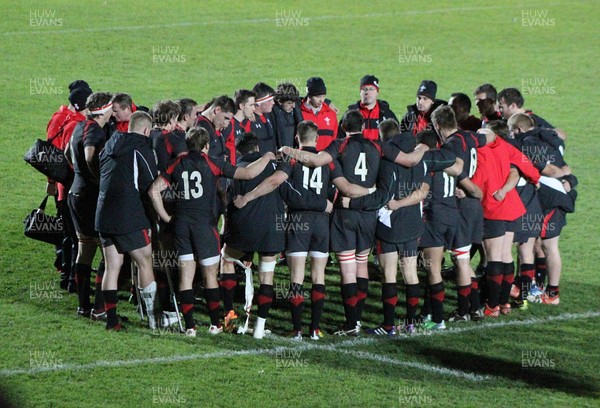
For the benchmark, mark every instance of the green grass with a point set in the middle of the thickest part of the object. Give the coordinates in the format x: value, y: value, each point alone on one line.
x: 225, y: 46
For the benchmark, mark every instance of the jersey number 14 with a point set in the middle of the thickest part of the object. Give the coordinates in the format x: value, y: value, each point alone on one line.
x: 315, y: 181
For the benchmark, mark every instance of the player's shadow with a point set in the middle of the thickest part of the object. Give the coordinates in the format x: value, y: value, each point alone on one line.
x: 538, y: 377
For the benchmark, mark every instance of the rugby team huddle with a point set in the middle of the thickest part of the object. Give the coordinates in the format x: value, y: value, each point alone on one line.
x: 274, y: 173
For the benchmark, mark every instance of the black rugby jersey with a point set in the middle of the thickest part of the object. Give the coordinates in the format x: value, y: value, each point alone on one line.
x: 86, y: 134
x: 193, y: 178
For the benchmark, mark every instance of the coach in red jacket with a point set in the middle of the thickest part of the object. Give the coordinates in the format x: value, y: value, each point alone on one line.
x: 373, y: 110
x: 314, y: 108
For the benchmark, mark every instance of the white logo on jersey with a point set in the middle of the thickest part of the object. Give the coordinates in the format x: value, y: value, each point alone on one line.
x: 327, y: 121
x: 258, y: 125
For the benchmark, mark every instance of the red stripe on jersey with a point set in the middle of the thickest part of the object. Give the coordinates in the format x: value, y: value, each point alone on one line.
x: 462, y: 139
x: 474, y: 140
x: 88, y: 123
x: 246, y: 125
x: 168, y: 144
x: 344, y: 144
x: 545, y: 224
x: 377, y: 146
x: 171, y: 168
x: 213, y: 167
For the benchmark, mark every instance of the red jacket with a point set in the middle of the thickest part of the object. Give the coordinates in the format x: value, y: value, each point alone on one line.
x: 57, y: 121
x: 61, y: 142
x: 326, y: 121
x: 493, y: 167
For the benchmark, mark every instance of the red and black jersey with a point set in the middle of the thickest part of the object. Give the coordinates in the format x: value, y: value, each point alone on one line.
x: 464, y: 144
x: 193, y: 177
x: 326, y: 121
x: 87, y: 133
x: 414, y: 121
x: 167, y: 146
x: 258, y: 226
x: 313, y: 179
x: 395, y: 182
x: 440, y: 205
x: 356, y: 158
x: 232, y: 134
x: 264, y: 130
x: 127, y: 170
x: 217, y: 142
x: 373, y: 117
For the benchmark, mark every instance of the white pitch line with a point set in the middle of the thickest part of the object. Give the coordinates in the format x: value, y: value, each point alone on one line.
x: 413, y: 364
x: 262, y: 20
x: 526, y: 322
x: 298, y: 347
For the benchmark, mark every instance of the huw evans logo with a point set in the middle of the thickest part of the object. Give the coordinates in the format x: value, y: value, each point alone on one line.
x: 44, y: 86
x: 167, y: 54
x: 44, y: 18
x: 536, y: 18
x: 290, y: 18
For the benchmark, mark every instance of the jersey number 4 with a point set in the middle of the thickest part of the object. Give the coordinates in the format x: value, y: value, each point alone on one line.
x: 315, y: 181
x: 361, y: 166
x: 195, y: 179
